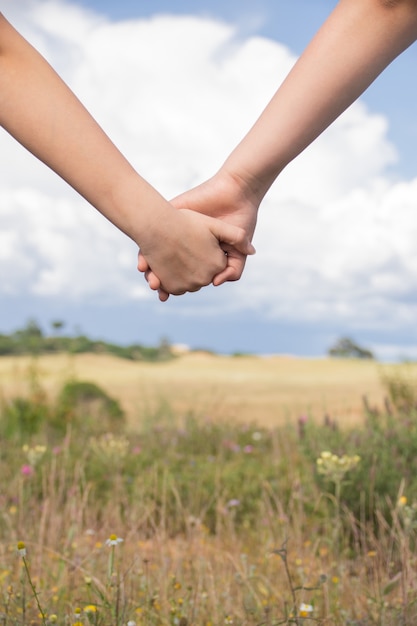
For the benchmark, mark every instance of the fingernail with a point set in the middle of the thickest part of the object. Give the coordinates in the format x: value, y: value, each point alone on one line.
x: 252, y: 249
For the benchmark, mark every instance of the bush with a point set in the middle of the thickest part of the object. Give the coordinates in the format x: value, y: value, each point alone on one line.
x: 87, y: 408
x: 23, y: 417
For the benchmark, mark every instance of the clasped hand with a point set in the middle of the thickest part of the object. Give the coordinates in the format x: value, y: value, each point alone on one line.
x: 217, y: 222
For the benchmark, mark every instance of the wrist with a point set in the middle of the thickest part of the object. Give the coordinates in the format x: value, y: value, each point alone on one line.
x: 246, y: 185
x: 136, y: 208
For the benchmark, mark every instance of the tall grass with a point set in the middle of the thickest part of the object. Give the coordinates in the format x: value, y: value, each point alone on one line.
x: 197, y: 522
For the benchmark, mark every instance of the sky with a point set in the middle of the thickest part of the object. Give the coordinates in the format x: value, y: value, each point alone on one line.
x: 176, y: 85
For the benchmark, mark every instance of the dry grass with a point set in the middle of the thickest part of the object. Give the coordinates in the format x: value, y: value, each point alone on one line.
x: 222, y: 524
x: 266, y: 391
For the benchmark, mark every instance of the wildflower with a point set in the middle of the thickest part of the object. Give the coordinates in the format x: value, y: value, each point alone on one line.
x: 53, y: 618
x: 233, y: 503
x: 131, y: 622
x: 26, y: 470
x: 34, y: 453
x: 109, y: 447
x: 90, y: 608
x: 402, y: 501
x: 335, y: 467
x: 113, y: 540
x: 21, y: 548
x: 194, y: 522
x: 305, y: 610
x: 77, y: 612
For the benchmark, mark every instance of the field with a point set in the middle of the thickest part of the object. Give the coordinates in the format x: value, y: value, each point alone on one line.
x: 267, y: 391
x: 235, y: 490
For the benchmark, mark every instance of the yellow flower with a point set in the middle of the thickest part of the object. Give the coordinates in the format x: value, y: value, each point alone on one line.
x: 34, y: 453
x: 21, y: 548
x: 335, y: 467
x: 402, y: 501
x: 90, y: 608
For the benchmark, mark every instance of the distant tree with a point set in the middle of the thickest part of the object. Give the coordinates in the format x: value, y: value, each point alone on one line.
x: 32, y: 329
x: 57, y: 325
x: 347, y: 348
x: 29, y: 338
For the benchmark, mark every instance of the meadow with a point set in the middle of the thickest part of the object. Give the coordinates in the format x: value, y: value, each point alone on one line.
x: 207, y: 490
x: 267, y: 391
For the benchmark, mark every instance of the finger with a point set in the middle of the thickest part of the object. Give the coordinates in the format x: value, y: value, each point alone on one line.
x: 153, y: 280
x: 232, y: 272
x: 163, y: 295
x: 232, y: 235
x: 142, y: 263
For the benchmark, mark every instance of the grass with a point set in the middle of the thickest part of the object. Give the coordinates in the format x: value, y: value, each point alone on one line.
x: 268, y: 391
x: 222, y: 522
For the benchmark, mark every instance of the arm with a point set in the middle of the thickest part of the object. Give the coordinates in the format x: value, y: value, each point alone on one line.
x: 40, y: 111
x: 354, y: 45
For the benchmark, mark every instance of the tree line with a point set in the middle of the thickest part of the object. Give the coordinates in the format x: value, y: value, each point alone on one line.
x: 32, y: 340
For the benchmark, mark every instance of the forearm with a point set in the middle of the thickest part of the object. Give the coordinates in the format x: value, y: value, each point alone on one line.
x: 41, y: 112
x: 356, y: 43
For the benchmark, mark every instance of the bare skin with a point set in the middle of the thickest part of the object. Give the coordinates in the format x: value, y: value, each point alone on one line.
x: 355, y: 44
x: 41, y: 112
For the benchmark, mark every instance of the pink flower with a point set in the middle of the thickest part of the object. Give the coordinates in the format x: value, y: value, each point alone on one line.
x: 27, y: 470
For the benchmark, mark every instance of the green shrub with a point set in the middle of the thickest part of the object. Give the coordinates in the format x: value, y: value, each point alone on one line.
x: 86, y: 407
x: 22, y: 418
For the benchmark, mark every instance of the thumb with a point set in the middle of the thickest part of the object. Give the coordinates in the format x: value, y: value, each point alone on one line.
x: 233, y: 236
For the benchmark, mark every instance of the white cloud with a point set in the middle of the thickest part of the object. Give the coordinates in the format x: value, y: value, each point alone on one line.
x: 336, y: 236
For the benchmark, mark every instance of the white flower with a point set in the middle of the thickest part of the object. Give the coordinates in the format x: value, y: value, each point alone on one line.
x: 113, y: 540
x: 21, y: 548
x: 305, y: 610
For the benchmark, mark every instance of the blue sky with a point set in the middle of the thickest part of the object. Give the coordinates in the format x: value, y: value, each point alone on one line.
x: 294, y: 24
x: 335, y: 255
